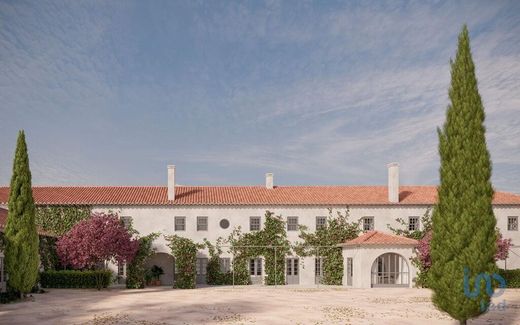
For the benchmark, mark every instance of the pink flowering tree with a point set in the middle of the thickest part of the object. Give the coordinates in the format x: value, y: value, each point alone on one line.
x: 100, y: 238
x: 422, y: 259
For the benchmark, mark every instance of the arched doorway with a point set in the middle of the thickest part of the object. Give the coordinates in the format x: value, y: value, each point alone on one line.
x: 390, y: 270
x: 167, y: 263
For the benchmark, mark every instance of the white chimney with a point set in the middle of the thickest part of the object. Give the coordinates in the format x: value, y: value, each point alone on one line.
x: 269, y: 183
x: 171, y: 182
x: 393, y: 182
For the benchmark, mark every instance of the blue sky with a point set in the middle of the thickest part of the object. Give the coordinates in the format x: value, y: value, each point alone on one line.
x: 324, y: 92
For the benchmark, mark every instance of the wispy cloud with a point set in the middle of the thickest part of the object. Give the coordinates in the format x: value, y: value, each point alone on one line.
x: 316, y: 92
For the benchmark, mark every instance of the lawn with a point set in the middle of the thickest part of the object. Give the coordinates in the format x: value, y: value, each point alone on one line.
x: 243, y: 305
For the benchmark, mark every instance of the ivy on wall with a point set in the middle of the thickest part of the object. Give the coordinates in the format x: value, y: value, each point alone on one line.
x: 48, y: 256
x: 185, y: 252
x: 60, y: 219
x: 336, y: 230
x: 261, y: 243
x: 215, y: 276
x: 136, y: 270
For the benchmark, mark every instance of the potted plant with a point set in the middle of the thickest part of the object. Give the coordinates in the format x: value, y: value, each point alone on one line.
x: 156, y: 272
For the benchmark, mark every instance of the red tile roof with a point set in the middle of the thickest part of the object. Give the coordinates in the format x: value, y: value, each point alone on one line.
x: 238, y: 195
x: 380, y: 238
x: 3, y: 222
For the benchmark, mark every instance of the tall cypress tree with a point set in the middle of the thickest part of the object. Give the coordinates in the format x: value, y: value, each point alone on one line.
x: 463, y: 222
x: 21, y: 252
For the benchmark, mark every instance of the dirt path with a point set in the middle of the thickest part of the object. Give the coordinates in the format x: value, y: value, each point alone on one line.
x: 246, y: 305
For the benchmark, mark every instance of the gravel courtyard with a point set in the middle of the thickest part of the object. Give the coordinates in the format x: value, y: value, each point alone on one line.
x: 242, y: 305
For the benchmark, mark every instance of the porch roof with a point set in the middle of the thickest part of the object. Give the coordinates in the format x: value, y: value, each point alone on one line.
x: 380, y: 238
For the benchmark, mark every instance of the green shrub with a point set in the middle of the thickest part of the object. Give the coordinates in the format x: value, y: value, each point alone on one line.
x: 512, y: 277
x: 9, y: 295
x: 75, y: 279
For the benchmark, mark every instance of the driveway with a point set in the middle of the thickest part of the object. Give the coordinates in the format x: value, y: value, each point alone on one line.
x: 243, y: 305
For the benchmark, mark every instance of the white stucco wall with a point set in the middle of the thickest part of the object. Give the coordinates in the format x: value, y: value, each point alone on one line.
x: 364, y: 256
x: 147, y: 219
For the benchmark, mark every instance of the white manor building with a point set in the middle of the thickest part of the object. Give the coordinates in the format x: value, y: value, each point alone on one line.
x: 376, y: 258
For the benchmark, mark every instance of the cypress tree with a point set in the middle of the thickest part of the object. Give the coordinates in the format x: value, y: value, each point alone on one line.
x: 21, y: 252
x: 463, y: 221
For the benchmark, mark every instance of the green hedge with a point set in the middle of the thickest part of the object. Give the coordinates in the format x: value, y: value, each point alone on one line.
x: 75, y: 279
x: 512, y: 277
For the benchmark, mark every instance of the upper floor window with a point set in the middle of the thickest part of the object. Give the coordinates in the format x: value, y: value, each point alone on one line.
x: 368, y: 223
x: 202, y: 223
x: 127, y: 221
x: 292, y: 223
x: 512, y: 223
x: 254, y: 223
x: 321, y: 222
x: 180, y: 223
x: 413, y: 223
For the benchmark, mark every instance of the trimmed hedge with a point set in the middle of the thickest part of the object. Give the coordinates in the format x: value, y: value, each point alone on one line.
x: 512, y: 277
x: 75, y: 279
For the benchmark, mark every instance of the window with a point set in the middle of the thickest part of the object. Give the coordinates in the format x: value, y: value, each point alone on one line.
x: 127, y: 221
x: 368, y: 223
x: 201, y: 266
x: 121, y: 268
x: 512, y: 223
x: 254, y: 223
x: 413, y: 223
x: 225, y: 264
x: 202, y: 223
x: 180, y: 223
x: 255, y: 266
x: 224, y: 223
x: 318, y: 266
x: 321, y: 222
x: 349, y: 271
x: 292, y: 223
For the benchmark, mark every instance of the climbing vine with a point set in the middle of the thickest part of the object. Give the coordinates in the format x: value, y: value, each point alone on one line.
x: 60, y: 219
x: 323, y: 243
x: 261, y: 243
x: 48, y: 256
x: 185, y: 252
x: 136, y: 270
x: 215, y: 276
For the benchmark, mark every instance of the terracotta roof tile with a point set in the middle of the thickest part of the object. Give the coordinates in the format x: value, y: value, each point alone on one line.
x: 237, y: 195
x: 380, y: 238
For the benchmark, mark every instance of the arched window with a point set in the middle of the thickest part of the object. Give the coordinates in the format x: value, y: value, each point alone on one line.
x: 390, y: 270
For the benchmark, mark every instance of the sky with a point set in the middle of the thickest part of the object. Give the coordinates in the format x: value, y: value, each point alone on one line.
x: 325, y: 92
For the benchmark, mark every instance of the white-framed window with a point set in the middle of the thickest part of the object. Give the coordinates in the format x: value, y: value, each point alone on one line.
x: 321, y: 222
x: 413, y: 223
x: 121, y: 269
x: 127, y: 221
x: 254, y: 223
x: 202, y: 223
x: 512, y: 223
x: 318, y: 266
x: 225, y: 264
x: 180, y: 223
x: 368, y: 223
x: 255, y: 266
x: 292, y: 223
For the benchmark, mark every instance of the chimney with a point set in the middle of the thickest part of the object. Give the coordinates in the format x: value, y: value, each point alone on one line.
x: 393, y: 182
x: 171, y: 182
x: 269, y: 183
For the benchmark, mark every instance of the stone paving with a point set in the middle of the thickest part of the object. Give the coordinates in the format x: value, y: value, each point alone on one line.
x: 243, y: 305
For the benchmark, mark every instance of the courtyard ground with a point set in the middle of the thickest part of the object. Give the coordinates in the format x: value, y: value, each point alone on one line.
x: 243, y: 305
